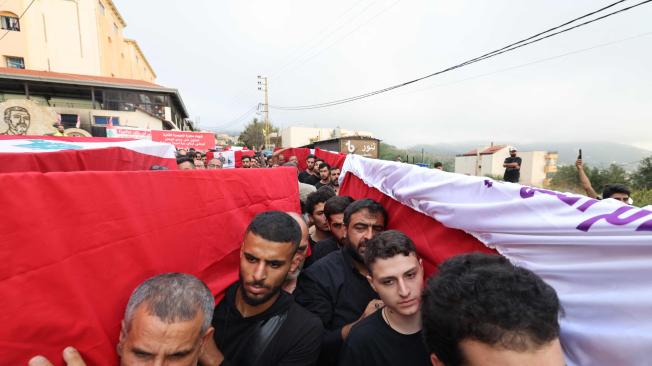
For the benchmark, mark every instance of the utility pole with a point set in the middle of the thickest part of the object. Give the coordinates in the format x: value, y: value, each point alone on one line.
x: 263, y: 85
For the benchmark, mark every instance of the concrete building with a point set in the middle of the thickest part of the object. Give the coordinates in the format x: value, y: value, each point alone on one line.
x: 45, y: 97
x: 302, y: 136
x: 68, y: 62
x: 537, y: 167
x: 78, y: 37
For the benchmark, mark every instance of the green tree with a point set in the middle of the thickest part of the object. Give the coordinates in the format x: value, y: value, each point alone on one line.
x: 254, y: 134
x: 642, y: 178
x: 390, y: 152
x: 611, y: 175
x: 642, y: 197
x: 566, y: 179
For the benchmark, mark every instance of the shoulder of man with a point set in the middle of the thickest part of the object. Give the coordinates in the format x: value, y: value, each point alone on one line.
x: 321, y: 280
x: 360, y: 342
x: 308, y: 323
x: 365, y: 330
x: 329, y: 265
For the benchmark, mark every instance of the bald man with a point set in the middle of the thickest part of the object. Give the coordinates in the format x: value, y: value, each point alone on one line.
x: 300, y: 256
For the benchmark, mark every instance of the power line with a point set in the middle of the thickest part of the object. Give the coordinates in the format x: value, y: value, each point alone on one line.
x: 241, y: 118
x: 531, y: 63
x: 527, y: 41
x: 312, y: 44
x: 19, y: 18
x: 349, y: 33
x: 307, y: 47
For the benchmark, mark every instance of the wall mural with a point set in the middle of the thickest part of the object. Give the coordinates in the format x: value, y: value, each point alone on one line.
x: 26, y: 117
x: 16, y: 121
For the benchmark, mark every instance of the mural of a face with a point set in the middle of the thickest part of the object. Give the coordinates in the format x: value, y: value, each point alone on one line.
x: 17, y: 121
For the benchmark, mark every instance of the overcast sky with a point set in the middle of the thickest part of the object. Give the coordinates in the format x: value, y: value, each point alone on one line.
x: 593, y: 83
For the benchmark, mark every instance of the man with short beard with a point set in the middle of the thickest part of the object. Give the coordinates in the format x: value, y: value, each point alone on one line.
x: 309, y: 176
x: 335, y: 288
x: 259, y: 324
x: 324, y: 175
x: 334, y: 211
x: 246, y: 162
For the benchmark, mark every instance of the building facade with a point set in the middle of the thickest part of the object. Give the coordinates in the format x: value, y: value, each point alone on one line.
x: 537, y: 167
x: 70, y: 36
x: 302, y: 136
x: 91, y: 102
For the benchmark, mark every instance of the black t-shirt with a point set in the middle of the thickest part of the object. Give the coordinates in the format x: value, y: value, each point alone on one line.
x: 285, y: 334
x: 324, y: 248
x: 512, y: 174
x: 372, y: 342
x: 334, y: 290
x: 319, y: 184
x: 307, y: 178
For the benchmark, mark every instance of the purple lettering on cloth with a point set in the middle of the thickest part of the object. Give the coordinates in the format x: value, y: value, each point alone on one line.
x: 646, y: 226
x: 614, y: 218
x: 587, y: 204
x: 488, y: 183
x: 527, y: 192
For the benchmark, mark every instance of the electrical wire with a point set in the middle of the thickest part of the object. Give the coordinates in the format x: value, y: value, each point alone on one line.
x: 305, y: 48
x: 235, y: 121
x: 511, y: 47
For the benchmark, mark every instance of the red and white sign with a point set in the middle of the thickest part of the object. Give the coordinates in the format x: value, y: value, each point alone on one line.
x: 127, y: 132
x: 185, y: 139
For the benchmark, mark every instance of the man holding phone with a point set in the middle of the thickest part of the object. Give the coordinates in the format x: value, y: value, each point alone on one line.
x: 616, y: 191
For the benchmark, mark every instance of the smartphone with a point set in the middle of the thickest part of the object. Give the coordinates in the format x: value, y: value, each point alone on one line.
x: 579, y: 157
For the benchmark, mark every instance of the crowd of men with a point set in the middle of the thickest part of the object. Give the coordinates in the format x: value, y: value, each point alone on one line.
x: 333, y: 286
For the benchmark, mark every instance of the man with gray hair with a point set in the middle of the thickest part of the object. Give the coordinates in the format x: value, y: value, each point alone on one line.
x: 167, y: 320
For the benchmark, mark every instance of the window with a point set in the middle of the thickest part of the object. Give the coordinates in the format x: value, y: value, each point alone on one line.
x: 102, y: 10
x: 9, y: 23
x: 15, y: 62
x: 104, y: 120
x: 69, y: 120
x: 115, y: 28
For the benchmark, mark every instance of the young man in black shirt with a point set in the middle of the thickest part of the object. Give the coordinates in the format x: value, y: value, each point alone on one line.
x: 309, y: 176
x: 335, y: 288
x: 259, y: 324
x: 512, y: 166
x: 315, y: 210
x: 334, y: 212
x: 392, y: 335
x: 481, y: 310
x: 324, y: 175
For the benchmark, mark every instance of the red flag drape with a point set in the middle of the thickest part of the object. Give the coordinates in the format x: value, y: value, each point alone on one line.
x: 331, y: 158
x: 74, y: 245
x: 434, y: 241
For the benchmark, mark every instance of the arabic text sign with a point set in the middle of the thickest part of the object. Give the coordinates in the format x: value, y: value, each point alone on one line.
x: 366, y: 148
x: 134, y: 133
x: 186, y: 139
